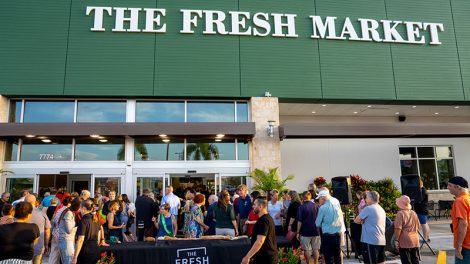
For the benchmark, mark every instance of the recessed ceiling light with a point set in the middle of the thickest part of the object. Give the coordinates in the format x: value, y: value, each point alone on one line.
x: 46, y: 140
x: 436, y: 113
x: 103, y: 140
x: 397, y: 113
x: 162, y: 135
x: 414, y: 106
x: 166, y: 140
x: 218, y: 140
x: 42, y: 137
x: 95, y: 136
x: 219, y: 135
x: 101, y: 137
x: 313, y: 112
x: 355, y: 112
x: 456, y: 107
x: 323, y: 105
x: 30, y: 136
x: 369, y: 106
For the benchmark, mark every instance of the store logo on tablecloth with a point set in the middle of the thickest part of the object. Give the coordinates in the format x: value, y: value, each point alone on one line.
x: 192, y: 256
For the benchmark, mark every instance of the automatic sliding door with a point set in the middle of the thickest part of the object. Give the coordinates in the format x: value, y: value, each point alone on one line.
x: 154, y: 184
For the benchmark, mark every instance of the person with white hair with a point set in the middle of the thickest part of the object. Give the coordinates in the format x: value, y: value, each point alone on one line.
x: 209, y: 217
x: 330, y: 220
x: 372, y: 219
x: 85, y: 195
x: 171, y: 199
x: 458, y: 187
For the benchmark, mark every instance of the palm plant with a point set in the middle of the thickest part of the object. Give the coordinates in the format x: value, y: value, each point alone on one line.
x: 202, y: 151
x: 269, y: 180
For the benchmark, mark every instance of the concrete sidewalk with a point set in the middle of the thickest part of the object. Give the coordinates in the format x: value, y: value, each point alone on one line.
x: 441, y: 239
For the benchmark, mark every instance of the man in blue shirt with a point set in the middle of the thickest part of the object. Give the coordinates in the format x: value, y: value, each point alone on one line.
x: 330, y: 220
x: 307, y: 232
x: 243, y: 208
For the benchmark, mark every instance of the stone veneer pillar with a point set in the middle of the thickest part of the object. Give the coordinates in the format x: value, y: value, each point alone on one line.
x: 265, y: 151
x: 3, y: 118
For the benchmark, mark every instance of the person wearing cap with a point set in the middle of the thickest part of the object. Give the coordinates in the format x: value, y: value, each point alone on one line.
x: 372, y: 219
x: 330, y: 220
x: 458, y: 187
x: 406, y: 231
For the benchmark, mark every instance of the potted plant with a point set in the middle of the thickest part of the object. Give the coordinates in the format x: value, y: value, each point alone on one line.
x: 269, y: 180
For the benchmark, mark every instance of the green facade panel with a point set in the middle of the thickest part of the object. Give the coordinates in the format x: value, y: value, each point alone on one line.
x: 355, y: 69
x: 109, y: 63
x: 461, y: 13
x: 285, y: 67
x: 196, y: 64
x: 423, y: 71
x: 33, y: 42
x: 47, y: 48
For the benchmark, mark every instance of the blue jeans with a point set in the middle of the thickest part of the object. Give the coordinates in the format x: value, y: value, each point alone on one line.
x: 66, y: 251
x: 466, y: 257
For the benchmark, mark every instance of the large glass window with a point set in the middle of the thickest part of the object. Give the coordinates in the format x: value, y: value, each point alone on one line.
x: 434, y: 164
x: 11, y: 151
x: 49, y: 111
x: 211, y: 112
x: 15, y: 111
x: 97, y: 149
x: 15, y: 186
x: 102, y: 111
x: 159, y: 149
x: 159, y: 112
x: 242, y: 150
x: 208, y: 149
x: 46, y: 149
x: 242, y: 112
x: 106, y: 184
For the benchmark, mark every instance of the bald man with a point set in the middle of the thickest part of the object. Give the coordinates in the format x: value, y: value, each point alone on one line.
x: 42, y: 221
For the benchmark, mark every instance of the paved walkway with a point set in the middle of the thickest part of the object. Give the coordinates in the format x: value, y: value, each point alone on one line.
x: 441, y: 239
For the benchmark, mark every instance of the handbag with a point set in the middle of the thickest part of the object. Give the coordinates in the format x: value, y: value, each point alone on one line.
x: 290, y: 235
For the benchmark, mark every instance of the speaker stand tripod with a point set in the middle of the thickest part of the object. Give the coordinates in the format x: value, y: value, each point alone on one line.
x: 347, y: 236
x: 421, y: 235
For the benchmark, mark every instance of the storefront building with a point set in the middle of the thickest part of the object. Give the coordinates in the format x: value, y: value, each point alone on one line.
x: 127, y: 95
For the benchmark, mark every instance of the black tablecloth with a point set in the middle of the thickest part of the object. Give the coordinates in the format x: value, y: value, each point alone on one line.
x: 181, y: 251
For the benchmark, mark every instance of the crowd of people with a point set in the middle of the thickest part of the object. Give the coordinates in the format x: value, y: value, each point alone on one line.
x: 72, y: 227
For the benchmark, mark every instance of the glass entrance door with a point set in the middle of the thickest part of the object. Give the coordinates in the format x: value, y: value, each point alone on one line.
x: 200, y: 182
x: 154, y: 184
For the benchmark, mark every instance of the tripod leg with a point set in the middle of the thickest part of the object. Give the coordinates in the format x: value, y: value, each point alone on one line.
x: 426, y: 242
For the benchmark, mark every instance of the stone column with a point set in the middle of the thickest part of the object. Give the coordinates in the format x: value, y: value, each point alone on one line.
x: 3, y: 118
x: 265, y: 151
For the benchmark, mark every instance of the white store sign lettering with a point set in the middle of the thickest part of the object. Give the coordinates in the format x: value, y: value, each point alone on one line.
x: 266, y: 24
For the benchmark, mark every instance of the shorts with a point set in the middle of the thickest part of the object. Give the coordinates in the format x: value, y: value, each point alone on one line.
x: 423, y: 219
x: 373, y: 253
x: 310, y: 243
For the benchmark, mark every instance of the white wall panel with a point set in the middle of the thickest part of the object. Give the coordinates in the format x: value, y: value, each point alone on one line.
x: 370, y: 158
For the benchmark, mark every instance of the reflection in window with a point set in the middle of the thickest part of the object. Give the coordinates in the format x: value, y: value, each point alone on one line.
x: 231, y: 183
x: 242, y: 112
x: 11, y: 151
x: 208, y: 149
x: 157, y: 150
x: 46, y: 149
x: 160, y: 112
x: 434, y: 165
x: 15, y: 112
x: 104, y: 111
x: 242, y: 150
x: 211, y: 112
x: 15, y: 186
x: 104, y: 185
x: 155, y: 185
x: 92, y: 149
x: 48, y: 111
